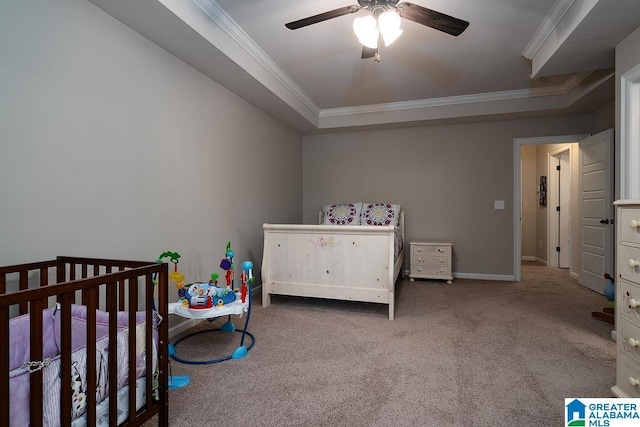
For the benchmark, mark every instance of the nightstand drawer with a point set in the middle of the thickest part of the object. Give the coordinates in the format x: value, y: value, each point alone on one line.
x: 430, y: 271
x: 429, y: 250
x: 429, y: 261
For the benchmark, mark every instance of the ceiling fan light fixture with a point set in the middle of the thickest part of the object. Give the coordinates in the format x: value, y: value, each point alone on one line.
x: 389, y: 26
x: 390, y: 36
x: 366, y: 30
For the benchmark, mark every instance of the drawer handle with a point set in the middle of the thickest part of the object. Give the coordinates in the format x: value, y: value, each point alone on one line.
x: 441, y: 260
x: 633, y: 303
x: 634, y: 382
x: 633, y: 342
x: 440, y: 250
x: 419, y: 259
x: 419, y: 269
x: 419, y: 249
x: 634, y: 224
x: 633, y: 263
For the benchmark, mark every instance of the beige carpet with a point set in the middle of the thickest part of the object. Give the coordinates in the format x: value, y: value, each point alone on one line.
x: 474, y: 353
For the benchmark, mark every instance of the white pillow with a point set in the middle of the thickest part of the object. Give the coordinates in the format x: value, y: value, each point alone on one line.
x: 342, y: 214
x: 380, y: 214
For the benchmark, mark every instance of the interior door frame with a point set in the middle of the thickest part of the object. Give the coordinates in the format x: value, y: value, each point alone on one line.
x: 629, y: 156
x: 517, y: 190
x: 553, y: 196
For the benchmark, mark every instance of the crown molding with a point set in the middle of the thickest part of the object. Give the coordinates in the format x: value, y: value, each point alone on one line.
x: 547, y: 27
x: 563, y: 20
x: 563, y: 89
x: 238, y: 35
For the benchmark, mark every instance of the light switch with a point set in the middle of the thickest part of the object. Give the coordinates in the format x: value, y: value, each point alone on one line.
x: 498, y: 204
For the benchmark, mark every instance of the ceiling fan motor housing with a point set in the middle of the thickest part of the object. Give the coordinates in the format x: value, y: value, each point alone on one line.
x: 376, y: 7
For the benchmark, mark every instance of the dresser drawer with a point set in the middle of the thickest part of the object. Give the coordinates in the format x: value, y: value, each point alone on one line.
x: 429, y: 261
x: 431, y: 250
x: 629, y: 340
x: 629, y: 222
x: 628, y: 256
x: 626, y: 373
x: 430, y: 271
x: 628, y: 301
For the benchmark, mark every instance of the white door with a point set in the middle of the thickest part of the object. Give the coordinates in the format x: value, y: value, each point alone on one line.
x: 564, y: 222
x: 596, y: 210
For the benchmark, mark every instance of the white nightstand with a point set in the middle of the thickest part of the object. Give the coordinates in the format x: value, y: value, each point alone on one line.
x: 430, y: 259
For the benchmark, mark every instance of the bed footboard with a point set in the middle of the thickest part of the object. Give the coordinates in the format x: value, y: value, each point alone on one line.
x: 334, y: 262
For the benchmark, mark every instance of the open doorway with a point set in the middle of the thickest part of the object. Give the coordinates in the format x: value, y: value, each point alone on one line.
x: 542, y: 243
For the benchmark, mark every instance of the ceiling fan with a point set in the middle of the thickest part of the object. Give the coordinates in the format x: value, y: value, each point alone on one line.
x: 384, y: 22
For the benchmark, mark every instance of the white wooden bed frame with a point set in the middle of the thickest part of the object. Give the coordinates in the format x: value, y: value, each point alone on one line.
x: 345, y: 262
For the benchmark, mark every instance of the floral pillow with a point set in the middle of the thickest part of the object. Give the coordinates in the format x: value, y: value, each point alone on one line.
x: 342, y: 214
x: 380, y: 214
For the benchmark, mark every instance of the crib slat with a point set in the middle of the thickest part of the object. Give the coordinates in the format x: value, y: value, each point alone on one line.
x: 112, y: 308
x: 44, y: 276
x: 121, y: 295
x: 72, y: 270
x: 148, y: 302
x: 24, y: 284
x: 91, y: 356
x: 131, y: 383
x: 35, y: 349
x: 61, y: 271
x: 66, y: 300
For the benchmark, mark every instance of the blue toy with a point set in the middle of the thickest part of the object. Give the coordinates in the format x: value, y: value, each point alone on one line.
x: 607, y: 313
x: 610, y: 290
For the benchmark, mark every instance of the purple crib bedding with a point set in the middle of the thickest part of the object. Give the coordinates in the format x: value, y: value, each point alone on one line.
x: 19, y: 354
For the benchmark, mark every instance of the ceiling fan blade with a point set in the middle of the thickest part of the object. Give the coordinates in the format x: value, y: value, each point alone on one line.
x: 368, y: 52
x: 431, y: 18
x: 322, y: 17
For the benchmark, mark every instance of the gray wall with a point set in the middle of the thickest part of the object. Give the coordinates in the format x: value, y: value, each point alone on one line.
x: 445, y: 177
x: 627, y: 58
x: 111, y: 147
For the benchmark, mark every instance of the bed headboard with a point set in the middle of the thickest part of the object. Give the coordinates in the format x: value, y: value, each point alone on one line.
x: 400, y: 220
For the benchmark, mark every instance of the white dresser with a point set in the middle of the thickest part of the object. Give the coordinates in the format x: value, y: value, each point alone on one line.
x: 627, y: 298
x: 430, y: 260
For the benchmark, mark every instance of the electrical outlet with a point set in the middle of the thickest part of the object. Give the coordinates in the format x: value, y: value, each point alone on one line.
x: 498, y: 204
x: 540, y: 244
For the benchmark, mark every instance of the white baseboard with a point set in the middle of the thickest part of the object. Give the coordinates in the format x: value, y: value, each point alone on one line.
x: 480, y: 276
x: 542, y: 261
x: 477, y: 276
x: 528, y: 258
